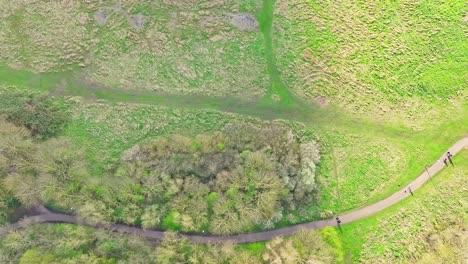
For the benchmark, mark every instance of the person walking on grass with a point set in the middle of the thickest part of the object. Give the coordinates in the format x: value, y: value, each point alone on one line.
x: 449, y: 156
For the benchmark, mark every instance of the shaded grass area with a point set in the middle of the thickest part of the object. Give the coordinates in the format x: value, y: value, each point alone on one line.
x: 29, y: 80
x: 277, y: 86
x: 427, y: 227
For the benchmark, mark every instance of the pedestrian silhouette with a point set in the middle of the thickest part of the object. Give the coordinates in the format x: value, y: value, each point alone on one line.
x: 449, y: 156
x: 451, y: 162
x: 445, y: 162
x: 338, y: 223
x: 410, y: 191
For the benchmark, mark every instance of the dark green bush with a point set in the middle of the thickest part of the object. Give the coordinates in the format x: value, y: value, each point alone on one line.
x: 43, y: 116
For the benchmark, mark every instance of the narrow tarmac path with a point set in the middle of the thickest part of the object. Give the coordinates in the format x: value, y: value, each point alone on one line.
x: 46, y: 216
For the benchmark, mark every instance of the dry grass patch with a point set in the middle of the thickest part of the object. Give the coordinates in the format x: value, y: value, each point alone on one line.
x: 181, y: 50
x: 43, y: 36
x: 192, y: 47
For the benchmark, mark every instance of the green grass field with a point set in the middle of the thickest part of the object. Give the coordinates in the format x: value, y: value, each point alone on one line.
x: 399, y: 61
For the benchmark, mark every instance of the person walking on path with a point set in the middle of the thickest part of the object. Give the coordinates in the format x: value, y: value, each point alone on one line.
x: 410, y: 191
x: 449, y: 156
x: 338, y: 223
x: 445, y: 162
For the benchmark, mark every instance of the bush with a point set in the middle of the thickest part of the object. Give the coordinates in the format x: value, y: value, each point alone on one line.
x: 32, y: 256
x: 43, y: 116
x: 51, y: 171
x: 17, y: 171
x: 303, y: 247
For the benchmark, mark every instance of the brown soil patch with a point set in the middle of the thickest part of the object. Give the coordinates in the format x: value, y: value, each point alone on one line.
x: 245, y: 22
x: 137, y: 21
x: 322, y: 101
x: 100, y: 18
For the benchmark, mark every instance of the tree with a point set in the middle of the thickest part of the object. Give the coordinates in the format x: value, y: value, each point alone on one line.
x: 173, y: 249
x: 303, y: 247
x: 279, y: 251
x: 257, y: 171
x: 95, y: 212
x: 152, y: 216
x: 62, y: 160
x: 16, y: 149
x: 24, y: 187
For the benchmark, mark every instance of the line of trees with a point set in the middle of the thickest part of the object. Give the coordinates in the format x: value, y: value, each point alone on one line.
x: 63, y: 243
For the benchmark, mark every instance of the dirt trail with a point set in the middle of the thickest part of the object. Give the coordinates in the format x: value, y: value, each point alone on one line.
x: 46, y: 216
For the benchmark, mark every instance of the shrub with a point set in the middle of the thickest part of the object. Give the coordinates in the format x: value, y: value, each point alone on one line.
x: 32, y: 256
x: 43, y: 116
x: 17, y: 170
x: 63, y: 161
x: 95, y: 212
x: 303, y: 247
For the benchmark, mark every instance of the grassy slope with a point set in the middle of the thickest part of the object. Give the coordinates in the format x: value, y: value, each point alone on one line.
x: 418, y: 227
x: 398, y: 61
x: 184, y: 48
x: 360, y: 168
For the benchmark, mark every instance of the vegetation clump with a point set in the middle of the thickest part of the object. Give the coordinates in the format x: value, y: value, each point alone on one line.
x: 304, y: 247
x: 63, y: 243
x: 42, y: 116
x: 33, y: 172
x: 241, y: 177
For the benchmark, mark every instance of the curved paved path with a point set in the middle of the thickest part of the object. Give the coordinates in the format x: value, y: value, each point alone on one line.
x: 46, y: 216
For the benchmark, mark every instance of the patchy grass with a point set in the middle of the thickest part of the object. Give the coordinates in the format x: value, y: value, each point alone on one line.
x: 179, y: 47
x: 358, y: 169
x: 255, y: 249
x: 29, y: 80
x: 43, y: 36
x: 107, y: 130
x: 429, y: 227
x: 401, y: 62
